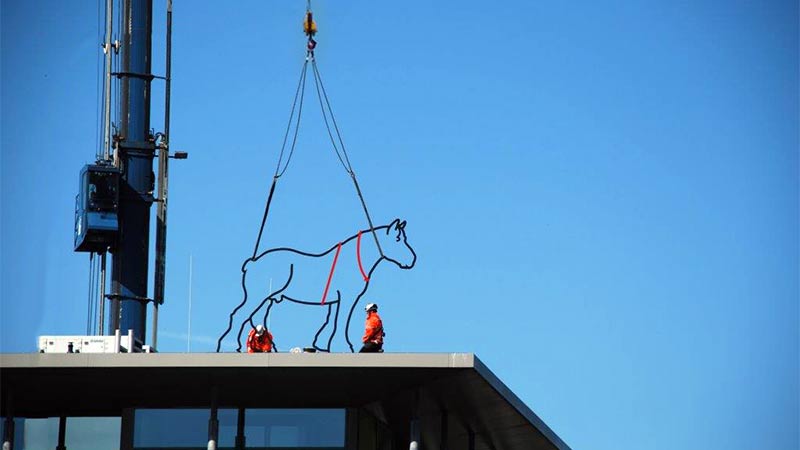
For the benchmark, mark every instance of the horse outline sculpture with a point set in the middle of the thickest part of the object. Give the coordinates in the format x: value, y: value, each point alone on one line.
x: 398, y: 239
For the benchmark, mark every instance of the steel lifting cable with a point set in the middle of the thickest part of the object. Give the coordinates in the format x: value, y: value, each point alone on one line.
x: 299, y: 93
x: 321, y: 93
x: 310, y: 29
x: 318, y: 83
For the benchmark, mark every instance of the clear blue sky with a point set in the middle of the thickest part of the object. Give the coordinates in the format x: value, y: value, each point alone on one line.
x: 603, y: 195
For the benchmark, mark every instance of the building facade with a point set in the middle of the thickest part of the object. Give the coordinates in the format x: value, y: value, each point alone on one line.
x: 263, y: 401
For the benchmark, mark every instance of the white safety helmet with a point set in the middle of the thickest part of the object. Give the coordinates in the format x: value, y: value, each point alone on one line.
x: 259, y: 329
x: 371, y: 307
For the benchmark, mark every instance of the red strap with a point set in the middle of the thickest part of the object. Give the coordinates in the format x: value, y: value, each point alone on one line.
x: 330, y: 275
x: 358, y: 253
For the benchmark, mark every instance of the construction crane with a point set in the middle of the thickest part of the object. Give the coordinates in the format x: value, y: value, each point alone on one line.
x: 112, y: 208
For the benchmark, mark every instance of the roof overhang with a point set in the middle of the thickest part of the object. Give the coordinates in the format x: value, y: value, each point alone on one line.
x: 400, y: 384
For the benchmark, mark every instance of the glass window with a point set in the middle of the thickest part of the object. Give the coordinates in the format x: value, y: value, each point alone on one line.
x: 38, y: 433
x: 81, y: 433
x: 264, y: 428
x: 295, y: 428
x: 164, y: 428
x: 93, y: 433
x: 102, y: 191
x: 227, y: 419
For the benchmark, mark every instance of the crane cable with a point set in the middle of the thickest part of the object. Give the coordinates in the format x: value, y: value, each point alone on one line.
x: 93, y: 297
x: 301, y: 89
x: 310, y: 29
x: 300, y: 92
x: 348, y: 167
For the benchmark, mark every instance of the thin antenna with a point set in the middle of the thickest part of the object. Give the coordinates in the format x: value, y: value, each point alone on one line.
x: 189, y: 334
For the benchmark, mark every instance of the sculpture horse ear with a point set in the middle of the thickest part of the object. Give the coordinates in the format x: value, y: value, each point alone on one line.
x: 395, y: 225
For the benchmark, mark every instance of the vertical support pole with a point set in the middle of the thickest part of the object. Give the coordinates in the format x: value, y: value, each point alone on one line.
x: 443, y: 431
x: 154, y: 338
x: 114, y: 309
x: 240, y: 438
x: 8, y: 433
x: 8, y: 438
x: 62, y: 433
x: 163, y: 180
x: 102, y: 293
x: 351, y: 429
x: 117, y: 340
x: 213, y: 422
x: 128, y: 426
x: 189, y: 332
x: 471, y: 439
x: 415, y: 432
x: 375, y: 432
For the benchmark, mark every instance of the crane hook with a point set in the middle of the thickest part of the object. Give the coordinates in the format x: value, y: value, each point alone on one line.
x: 310, y: 29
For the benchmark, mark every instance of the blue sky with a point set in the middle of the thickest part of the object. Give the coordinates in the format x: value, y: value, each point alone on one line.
x: 603, y: 196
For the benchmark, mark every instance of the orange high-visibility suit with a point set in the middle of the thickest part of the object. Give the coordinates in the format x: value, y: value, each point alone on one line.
x: 259, y: 344
x: 373, y: 331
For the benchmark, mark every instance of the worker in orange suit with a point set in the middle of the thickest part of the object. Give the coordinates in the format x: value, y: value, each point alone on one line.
x: 259, y: 340
x: 373, y: 333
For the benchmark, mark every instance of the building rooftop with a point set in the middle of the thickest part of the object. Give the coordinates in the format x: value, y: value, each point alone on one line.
x: 396, y: 385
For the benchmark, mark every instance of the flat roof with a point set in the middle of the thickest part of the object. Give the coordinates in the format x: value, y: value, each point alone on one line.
x: 84, y: 384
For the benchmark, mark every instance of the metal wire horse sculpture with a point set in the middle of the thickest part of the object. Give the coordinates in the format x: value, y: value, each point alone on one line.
x: 394, y: 241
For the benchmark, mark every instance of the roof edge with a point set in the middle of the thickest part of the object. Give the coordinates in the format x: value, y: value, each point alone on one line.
x: 518, y: 404
x: 283, y: 360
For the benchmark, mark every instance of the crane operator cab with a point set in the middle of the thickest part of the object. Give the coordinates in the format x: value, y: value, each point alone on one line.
x: 96, y: 205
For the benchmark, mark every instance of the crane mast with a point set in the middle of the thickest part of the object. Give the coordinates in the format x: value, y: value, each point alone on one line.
x: 135, y: 151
